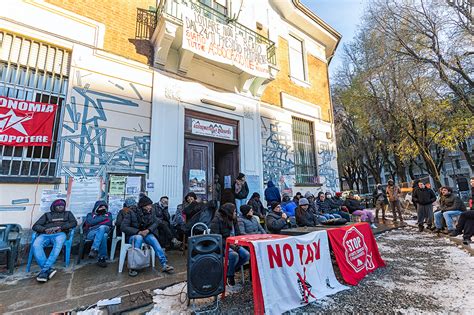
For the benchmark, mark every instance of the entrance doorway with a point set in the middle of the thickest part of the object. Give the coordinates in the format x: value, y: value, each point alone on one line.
x: 211, y: 147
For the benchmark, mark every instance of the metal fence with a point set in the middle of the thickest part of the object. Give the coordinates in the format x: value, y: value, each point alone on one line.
x: 33, y: 71
x: 305, y: 153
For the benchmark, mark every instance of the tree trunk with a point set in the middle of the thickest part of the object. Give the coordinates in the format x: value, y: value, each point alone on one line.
x: 464, y: 149
x: 431, y: 167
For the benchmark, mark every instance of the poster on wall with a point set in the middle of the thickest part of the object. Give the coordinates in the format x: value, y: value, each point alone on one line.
x: 133, y: 185
x: 227, y: 181
x: 197, y: 181
x: 82, y: 194
x: 286, y: 183
x: 48, y: 196
x: 117, y: 185
x: 115, y: 204
x: 253, y: 181
x: 26, y: 123
x: 224, y: 43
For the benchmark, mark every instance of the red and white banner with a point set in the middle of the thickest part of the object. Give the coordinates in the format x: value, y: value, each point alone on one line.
x: 26, y: 123
x: 295, y: 271
x: 356, y: 250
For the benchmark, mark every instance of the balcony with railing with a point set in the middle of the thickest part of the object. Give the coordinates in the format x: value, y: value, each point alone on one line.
x: 193, y: 29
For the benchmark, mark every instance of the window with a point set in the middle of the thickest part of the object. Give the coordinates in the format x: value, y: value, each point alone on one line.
x: 305, y: 153
x: 30, y: 70
x: 297, y: 62
x: 218, y: 5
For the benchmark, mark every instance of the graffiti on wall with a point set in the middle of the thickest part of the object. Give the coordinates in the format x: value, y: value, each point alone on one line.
x: 86, y: 139
x: 327, y: 173
x: 278, y: 159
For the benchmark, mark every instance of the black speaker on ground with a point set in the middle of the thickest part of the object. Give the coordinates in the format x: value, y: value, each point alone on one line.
x: 205, y: 266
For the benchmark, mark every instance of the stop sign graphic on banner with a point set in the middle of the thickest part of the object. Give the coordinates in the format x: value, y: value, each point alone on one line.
x: 356, y: 250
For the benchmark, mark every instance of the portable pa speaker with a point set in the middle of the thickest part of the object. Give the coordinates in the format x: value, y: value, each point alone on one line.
x: 205, y: 266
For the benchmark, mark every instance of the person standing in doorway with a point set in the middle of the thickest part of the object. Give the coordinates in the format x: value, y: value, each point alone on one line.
x: 380, y: 201
x: 393, y: 194
x: 424, y: 198
x: 240, y: 190
x: 217, y: 190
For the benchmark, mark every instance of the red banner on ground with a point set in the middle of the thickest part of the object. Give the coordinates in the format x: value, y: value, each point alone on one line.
x: 26, y: 123
x: 356, y: 251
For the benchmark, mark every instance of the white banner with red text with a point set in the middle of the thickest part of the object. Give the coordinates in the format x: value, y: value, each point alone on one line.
x: 295, y: 271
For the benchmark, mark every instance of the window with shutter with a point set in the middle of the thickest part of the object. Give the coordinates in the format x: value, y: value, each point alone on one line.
x: 305, y: 153
x: 296, y: 55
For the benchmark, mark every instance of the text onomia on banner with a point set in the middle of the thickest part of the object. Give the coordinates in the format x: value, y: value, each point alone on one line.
x: 295, y: 271
x: 26, y: 123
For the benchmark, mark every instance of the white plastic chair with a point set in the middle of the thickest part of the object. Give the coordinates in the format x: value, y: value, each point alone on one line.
x: 115, y: 240
x: 123, y: 253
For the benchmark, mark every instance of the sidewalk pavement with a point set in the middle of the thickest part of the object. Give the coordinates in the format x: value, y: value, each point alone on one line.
x: 81, y: 285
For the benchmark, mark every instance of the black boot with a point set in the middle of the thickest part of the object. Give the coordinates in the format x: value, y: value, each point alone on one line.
x: 466, y: 241
x: 421, y: 227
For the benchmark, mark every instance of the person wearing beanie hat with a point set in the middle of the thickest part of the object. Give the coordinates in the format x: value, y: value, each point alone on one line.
x: 304, y: 217
x: 51, y: 229
x: 276, y: 219
x: 240, y: 189
x: 248, y: 222
x: 225, y: 224
x: 96, y: 228
x: 257, y: 206
x: 130, y: 204
x: 141, y: 226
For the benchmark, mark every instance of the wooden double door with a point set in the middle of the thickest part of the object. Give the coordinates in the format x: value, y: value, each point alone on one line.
x: 202, y: 160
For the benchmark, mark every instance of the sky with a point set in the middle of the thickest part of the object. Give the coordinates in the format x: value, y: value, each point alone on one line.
x: 344, y: 16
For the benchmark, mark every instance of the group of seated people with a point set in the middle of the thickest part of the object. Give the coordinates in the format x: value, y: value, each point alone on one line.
x: 145, y: 222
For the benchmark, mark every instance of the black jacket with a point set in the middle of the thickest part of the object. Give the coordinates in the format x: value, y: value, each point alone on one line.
x: 257, y: 207
x: 275, y: 223
x: 451, y: 202
x: 305, y: 218
x: 64, y: 220
x: 376, y: 195
x: 243, y: 193
x: 423, y: 196
x: 353, y: 205
x: 219, y: 226
x: 139, y: 220
x: 192, y: 209
x: 161, y: 213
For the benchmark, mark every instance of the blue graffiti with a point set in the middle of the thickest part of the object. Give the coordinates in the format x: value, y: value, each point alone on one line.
x: 88, y: 154
x: 277, y: 154
x: 326, y: 170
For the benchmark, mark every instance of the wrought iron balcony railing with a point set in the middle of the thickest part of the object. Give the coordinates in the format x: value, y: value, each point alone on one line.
x: 147, y: 21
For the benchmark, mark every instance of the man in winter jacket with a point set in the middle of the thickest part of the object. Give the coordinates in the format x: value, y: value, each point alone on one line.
x: 450, y: 206
x: 276, y: 219
x: 96, y: 227
x: 355, y: 207
x: 336, y: 207
x: 248, y: 223
x: 166, y: 236
x: 272, y: 193
x: 51, y: 228
x: 257, y: 206
x: 240, y: 189
x: 304, y: 217
x: 380, y: 201
x: 325, y: 207
x: 424, y: 198
x: 225, y: 224
x: 465, y: 224
x: 393, y: 194
x: 141, y: 226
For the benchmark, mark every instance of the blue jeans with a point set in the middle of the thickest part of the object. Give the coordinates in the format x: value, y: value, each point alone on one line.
x: 448, y: 217
x: 322, y: 218
x: 151, y: 240
x: 99, y: 238
x: 44, y: 240
x: 236, y: 260
x: 330, y: 216
x: 238, y: 203
x: 344, y: 215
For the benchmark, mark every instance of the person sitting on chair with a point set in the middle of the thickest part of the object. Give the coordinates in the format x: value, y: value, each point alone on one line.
x: 248, y: 222
x: 96, y: 228
x: 225, y: 224
x: 325, y: 207
x: 165, y: 234
x: 336, y: 207
x: 141, y: 226
x: 52, y: 228
x: 354, y: 206
x: 450, y: 205
x: 304, y: 217
x: 130, y: 204
x: 257, y: 205
x: 276, y: 219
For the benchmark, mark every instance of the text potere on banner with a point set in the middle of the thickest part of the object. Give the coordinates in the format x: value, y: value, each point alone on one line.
x: 26, y: 123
